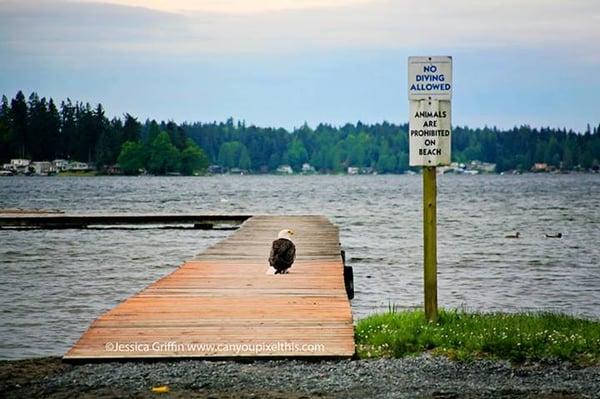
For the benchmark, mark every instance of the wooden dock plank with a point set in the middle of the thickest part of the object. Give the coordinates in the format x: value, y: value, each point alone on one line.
x: 223, y: 304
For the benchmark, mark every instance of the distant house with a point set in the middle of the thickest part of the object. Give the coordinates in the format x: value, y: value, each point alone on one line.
x: 540, y: 167
x: 367, y: 171
x: 60, y: 164
x: 79, y: 166
x: 21, y: 166
x: 308, y: 168
x: 215, y: 169
x: 43, y: 168
x: 20, y: 163
x: 472, y: 168
x: 352, y: 170
x: 483, y: 167
x: 285, y: 169
x: 441, y: 170
x: 113, y: 169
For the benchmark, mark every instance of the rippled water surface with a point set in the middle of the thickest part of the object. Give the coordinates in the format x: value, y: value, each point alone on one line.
x: 53, y: 283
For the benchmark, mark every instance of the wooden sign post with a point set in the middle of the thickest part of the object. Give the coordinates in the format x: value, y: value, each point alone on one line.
x: 430, y: 95
x: 430, y: 241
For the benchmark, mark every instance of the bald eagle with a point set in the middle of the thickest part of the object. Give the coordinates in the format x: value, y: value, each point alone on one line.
x: 283, y: 253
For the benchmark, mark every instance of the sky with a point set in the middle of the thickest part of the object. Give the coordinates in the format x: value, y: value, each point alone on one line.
x: 281, y: 63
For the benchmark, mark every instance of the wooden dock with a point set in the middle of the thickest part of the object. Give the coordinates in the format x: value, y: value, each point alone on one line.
x: 222, y: 304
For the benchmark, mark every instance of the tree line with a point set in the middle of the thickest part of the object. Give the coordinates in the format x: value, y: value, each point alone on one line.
x: 36, y: 128
x: 383, y: 147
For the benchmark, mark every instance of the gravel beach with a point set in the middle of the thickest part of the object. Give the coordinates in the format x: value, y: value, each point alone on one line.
x: 423, y: 376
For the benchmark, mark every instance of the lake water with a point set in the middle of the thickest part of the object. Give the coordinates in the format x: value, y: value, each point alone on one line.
x: 55, y: 282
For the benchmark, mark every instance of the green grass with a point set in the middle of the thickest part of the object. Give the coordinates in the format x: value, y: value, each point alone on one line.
x: 464, y: 336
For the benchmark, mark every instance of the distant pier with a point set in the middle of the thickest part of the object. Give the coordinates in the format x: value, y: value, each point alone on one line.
x: 25, y: 219
x: 222, y: 304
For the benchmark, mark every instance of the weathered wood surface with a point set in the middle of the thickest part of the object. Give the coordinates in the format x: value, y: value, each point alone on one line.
x: 223, y: 304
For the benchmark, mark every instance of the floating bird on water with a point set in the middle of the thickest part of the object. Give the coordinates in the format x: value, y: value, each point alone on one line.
x: 557, y: 235
x: 283, y: 253
x: 516, y: 235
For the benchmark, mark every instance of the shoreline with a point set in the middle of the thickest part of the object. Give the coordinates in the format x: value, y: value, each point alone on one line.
x: 295, y: 174
x: 423, y: 376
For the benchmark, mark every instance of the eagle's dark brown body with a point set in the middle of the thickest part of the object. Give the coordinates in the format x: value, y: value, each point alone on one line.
x: 283, y: 254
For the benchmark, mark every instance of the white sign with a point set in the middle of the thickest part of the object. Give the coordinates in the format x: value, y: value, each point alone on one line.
x: 430, y: 78
x: 429, y: 133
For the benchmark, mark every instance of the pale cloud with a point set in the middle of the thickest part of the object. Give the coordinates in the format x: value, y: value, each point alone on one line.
x: 568, y: 28
x: 231, y: 6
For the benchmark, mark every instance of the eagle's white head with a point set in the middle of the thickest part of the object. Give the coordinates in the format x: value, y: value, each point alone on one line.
x: 286, y: 233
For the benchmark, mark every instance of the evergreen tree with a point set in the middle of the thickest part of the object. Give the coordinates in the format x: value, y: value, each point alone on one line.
x: 176, y: 134
x: 36, y: 114
x: 18, y: 117
x: 109, y: 144
x: 43, y: 126
x: 82, y: 139
x: 53, y: 131
x: 68, y: 130
x: 99, y: 124
x: 153, y: 131
x: 132, y: 129
x: 7, y: 140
